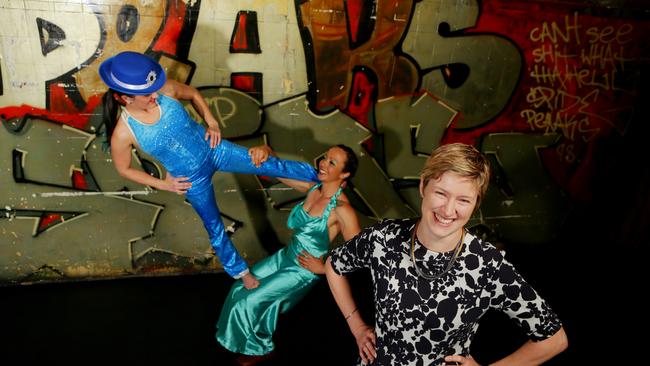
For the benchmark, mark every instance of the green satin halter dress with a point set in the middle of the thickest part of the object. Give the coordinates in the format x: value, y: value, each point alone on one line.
x: 249, y: 317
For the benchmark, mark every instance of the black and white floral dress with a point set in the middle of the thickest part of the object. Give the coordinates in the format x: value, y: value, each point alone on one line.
x: 420, y: 321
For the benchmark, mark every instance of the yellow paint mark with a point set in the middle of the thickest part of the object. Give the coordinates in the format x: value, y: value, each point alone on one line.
x: 288, y: 86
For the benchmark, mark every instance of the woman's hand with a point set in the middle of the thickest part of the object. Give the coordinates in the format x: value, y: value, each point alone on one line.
x: 178, y: 185
x: 460, y: 360
x: 180, y: 91
x: 366, y: 338
x: 311, y: 263
x: 213, y: 134
x: 259, y: 154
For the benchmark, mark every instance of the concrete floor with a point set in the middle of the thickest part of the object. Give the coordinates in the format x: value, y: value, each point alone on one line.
x: 171, y: 320
x: 153, y: 321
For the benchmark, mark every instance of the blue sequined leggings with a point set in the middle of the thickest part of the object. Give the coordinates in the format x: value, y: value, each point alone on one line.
x: 229, y: 157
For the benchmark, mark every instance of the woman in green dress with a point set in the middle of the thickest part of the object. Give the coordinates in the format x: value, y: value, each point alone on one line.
x: 249, y: 317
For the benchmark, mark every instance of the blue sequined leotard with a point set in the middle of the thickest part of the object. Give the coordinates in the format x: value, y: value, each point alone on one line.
x: 248, y: 318
x: 177, y: 141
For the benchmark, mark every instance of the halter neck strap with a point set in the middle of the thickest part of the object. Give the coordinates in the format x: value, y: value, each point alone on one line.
x: 333, y: 199
x: 332, y: 202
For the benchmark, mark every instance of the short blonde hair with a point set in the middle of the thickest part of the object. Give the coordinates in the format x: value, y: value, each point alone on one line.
x: 461, y: 159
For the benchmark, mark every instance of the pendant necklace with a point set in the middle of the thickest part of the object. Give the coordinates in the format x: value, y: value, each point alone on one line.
x: 458, y: 248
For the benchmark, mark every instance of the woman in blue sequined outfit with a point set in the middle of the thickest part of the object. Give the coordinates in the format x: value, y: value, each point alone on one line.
x: 141, y: 109
x: 248, y: 318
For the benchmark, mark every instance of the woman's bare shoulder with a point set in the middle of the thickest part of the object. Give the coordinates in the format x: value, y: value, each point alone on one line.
x: 342, y: 200
x: 343, y: 206
x: 121, y: 132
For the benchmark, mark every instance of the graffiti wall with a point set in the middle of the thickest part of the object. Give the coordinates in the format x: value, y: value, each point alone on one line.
x: 536, y: 85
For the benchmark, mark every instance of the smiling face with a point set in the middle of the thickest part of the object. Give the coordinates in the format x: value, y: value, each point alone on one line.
x: 447, y: 205
x: 330, y: 168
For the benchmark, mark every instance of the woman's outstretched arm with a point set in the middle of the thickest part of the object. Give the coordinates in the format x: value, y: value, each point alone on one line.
x: 259, y: 154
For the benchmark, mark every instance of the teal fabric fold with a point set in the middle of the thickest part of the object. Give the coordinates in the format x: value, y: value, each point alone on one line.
x: 249, y: 317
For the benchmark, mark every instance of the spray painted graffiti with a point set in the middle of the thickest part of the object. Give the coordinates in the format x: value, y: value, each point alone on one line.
x: 338, y: 36
x: 575, y: 67
x: 392, y: 79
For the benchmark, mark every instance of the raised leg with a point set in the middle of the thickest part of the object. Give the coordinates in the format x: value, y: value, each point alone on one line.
x: 205, y: 205
x: 234, y: 158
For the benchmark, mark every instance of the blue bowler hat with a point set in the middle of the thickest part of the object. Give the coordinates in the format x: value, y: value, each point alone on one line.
x: 132, y: 73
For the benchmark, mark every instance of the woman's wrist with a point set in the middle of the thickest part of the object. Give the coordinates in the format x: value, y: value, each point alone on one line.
x: 211, y: 121
x: 269, y: 150
x: 162, y: 185
x: 351, y: 313
x: 356, y: 323
x: 358, y: 326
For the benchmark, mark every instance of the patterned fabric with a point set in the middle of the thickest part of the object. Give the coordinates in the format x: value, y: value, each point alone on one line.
x: 178, y: 142
x: 249, y: 317
x: 418, y: 321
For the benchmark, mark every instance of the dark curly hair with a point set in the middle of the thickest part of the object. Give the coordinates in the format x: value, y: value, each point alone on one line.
x: 110, y: 112
x: 351, y: 161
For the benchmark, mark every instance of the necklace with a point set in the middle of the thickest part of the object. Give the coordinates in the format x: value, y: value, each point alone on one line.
x: 458, y: 248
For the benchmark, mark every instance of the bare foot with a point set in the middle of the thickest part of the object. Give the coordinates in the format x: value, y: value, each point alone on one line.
x: 250, y: 282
